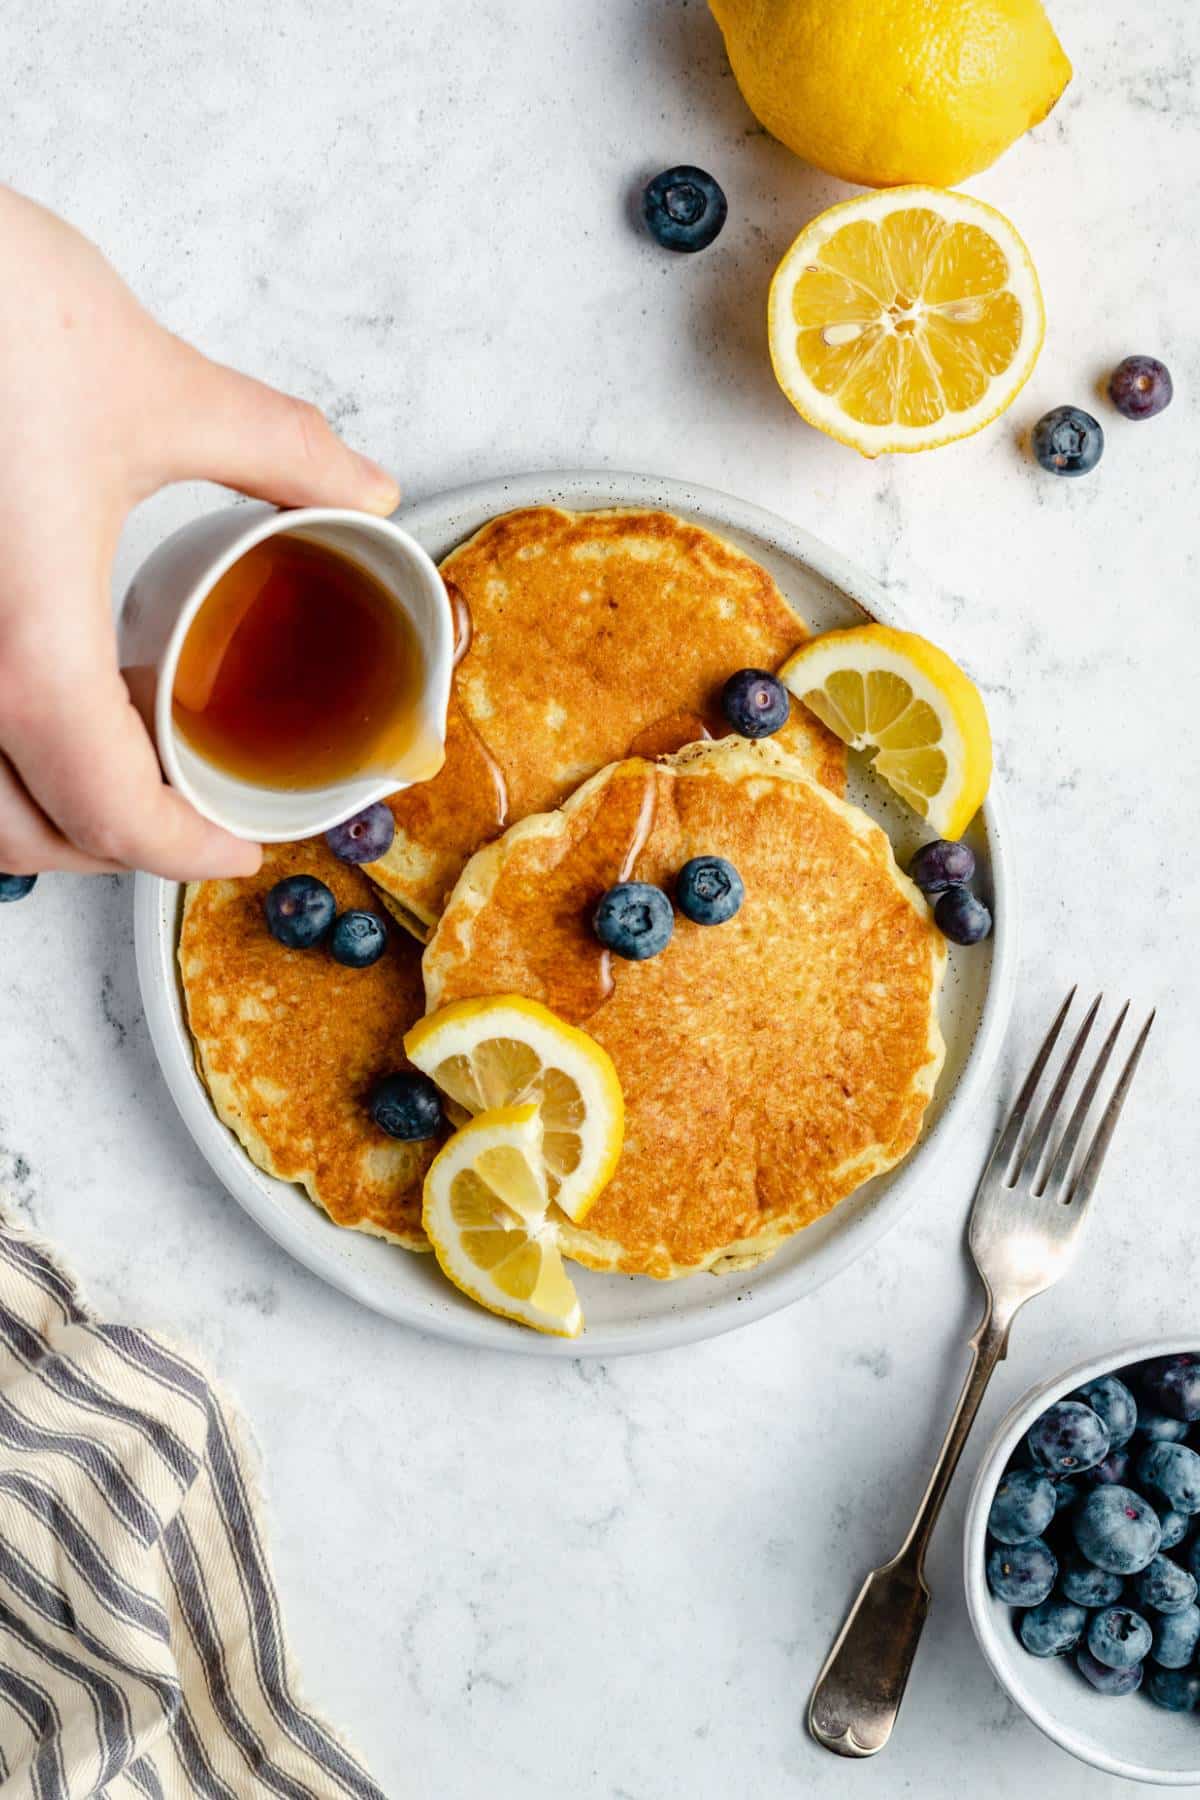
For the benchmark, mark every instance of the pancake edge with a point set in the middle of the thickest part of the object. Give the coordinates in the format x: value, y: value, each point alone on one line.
x: 232, y: 1116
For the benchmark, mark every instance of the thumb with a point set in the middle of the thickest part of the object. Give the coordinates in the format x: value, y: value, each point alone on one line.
x: 246, y: 435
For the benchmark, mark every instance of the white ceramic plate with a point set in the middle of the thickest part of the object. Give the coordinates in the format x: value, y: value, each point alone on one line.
x: 1130, y: 1737
x: 624, y: 1313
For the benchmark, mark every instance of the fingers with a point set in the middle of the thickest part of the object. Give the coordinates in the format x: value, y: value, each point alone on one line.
x: 85, y: 761
x: 229, y: 428
x: 29, y: 844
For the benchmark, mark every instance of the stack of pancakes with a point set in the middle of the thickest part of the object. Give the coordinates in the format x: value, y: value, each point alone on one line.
x: 769, y: 1065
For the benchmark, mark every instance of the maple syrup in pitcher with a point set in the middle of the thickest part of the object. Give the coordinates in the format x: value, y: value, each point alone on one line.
x: 299, y: 670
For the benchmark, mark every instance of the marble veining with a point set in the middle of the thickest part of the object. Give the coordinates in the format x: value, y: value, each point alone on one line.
x: 619, y: 1581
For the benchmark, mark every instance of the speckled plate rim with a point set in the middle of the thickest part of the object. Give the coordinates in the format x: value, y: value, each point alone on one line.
x: 1015, y: 1670
x: 405, y: 1287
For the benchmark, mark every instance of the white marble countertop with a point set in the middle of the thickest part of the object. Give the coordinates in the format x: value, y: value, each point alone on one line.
x: 512, y: 1577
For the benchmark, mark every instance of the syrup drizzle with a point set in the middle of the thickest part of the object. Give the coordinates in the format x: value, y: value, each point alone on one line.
x: 464, y: 632
x: 464, y: 624
x: 642, y: 827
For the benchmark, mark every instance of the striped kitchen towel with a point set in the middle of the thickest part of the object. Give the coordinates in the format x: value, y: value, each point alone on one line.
x: 141, y: 1646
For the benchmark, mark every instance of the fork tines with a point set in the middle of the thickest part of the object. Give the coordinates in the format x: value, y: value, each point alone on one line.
x: 1066, y: 1172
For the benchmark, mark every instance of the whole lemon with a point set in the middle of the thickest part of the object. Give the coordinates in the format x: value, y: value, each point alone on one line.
x: 885, y: 92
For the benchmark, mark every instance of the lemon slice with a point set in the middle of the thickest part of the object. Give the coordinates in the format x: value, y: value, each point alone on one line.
x: 899, y: 695
x: 485, y: 1212
x: 502, y: 1052
x: 904, y: 320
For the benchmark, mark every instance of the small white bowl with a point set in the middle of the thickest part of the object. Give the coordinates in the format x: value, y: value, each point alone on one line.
x: 1130, y: 1736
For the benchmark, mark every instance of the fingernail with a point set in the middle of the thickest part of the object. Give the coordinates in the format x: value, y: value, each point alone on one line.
x: 382, y: 490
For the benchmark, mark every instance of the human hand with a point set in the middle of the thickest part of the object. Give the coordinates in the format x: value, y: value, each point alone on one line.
x: 99, y: 407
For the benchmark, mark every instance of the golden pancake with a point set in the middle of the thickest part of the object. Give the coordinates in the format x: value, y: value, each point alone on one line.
x: 288, y: 1043
x: 585, y: 637
x: 770, y: 1065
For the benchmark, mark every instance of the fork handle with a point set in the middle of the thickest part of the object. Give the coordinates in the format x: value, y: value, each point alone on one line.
x: 859, y: 1690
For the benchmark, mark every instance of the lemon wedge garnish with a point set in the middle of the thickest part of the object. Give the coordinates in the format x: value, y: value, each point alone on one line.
x: 905, y: 320
x: 486, y: 1213
x: 506, y: 1051
x: 897, y: 694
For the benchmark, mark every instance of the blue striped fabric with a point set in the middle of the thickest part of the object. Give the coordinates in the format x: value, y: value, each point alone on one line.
x: 141, y: 1645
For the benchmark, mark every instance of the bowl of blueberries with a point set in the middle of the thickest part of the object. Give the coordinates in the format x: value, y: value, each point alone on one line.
x: 1082, y: 1564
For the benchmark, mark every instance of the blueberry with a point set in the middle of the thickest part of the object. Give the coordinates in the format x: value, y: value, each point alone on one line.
x: 1021, y: 1574
x: 755, y: 703
x: 1117, y: 1530
x: 708, y: 890
x: 1164, y: 1587
x: 365, y: 837
x: 1175, y: 1637
x: 1175, y: 1527
x: 1119, y: 1637
x: 1113, y: 1469
x: 684, y: 209
x: 358, y: 939
x: 941, y: 865
x: 1068, y: 441
x: 1066, y: 1493
x: 15, y: 887
x: 1159, y: 1428
x: 300, y: 909
x: 1085, y: 1584
x: 1022, y: 1508
x: 1109, y: 1397
x: 406, y: 1105
x: 634, y: 920
x: 1173, y: 1471
x: 1140, y: 386
x: 1176, y: 1689
x: 1068, y: 1438
x: 1052, y: 1628
x: 961, y: 917
x: 1105, y: 1680
x: 1173, y: 1384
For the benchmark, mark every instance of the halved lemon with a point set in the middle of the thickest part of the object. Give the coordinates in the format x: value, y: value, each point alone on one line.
x: 485, y: 1212
x: 906, y: 319
x: 502, y: 1052
x: 899, y: 695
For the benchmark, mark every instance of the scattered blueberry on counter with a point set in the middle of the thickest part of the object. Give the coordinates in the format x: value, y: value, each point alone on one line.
x: 1140, y: 387
x: 1094, y: 1533
x: 684, y: 208
x: 756, y: 703
x: 364, y: 838
x: 15, y: 887
x: 1068, y: 441
x: 300, y: 909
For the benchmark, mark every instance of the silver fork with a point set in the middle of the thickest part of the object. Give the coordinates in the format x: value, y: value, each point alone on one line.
x: 1026, y: 1221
